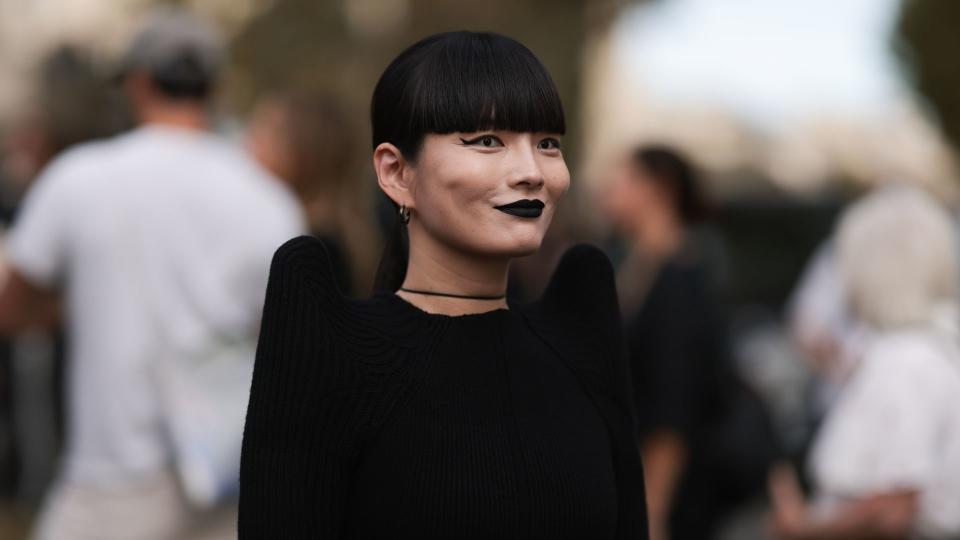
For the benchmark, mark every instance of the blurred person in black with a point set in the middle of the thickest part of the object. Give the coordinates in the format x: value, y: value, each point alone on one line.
x: 157, y: 243
x: 689, y: 403
x: 305, y: 140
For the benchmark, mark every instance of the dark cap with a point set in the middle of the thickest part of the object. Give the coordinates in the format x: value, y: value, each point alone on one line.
x: 178, y: 49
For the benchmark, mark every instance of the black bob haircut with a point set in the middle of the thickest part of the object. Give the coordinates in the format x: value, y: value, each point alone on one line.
x: 463, y: 82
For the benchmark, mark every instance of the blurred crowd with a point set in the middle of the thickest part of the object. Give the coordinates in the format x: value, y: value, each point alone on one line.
x: 139, y: 228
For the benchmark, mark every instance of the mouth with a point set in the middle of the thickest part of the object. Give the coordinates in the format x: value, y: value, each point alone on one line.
x: 525, y: 208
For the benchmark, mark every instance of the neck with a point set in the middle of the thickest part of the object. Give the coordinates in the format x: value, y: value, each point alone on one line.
x: 181, y: 115
x: 438, y: 268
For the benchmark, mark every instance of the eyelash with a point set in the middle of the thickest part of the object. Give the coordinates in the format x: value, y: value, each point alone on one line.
x: 476, y: 141
x: 552, y: 143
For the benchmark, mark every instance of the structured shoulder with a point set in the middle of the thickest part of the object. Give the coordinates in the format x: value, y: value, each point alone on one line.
x: 583, y: 286
x: 579, y: 317
x: 306, y: 253
x: 584, y: 260
x: 304, y: 260
x: 579, y: 306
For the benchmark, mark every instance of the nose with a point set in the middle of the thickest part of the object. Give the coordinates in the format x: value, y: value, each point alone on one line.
x: 526, y: 174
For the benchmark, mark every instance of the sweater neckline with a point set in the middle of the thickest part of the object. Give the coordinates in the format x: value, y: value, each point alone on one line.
x: 407, y: 307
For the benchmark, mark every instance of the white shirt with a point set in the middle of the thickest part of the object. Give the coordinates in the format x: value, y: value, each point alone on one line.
x: 896, y: 426
x: 161, y: 240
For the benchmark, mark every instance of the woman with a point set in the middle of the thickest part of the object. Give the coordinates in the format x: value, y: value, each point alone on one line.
x: 305, y: 140
x: 436, y: 409
x: 886, y: 462
x: 686, y: 392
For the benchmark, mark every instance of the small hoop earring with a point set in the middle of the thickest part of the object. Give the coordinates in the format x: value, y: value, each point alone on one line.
x: 404, y: 214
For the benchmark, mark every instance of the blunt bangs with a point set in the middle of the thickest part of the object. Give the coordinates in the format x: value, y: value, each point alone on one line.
x: 463, y: 82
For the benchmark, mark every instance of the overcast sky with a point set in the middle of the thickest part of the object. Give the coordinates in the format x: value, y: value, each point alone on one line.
x: 771, y: 60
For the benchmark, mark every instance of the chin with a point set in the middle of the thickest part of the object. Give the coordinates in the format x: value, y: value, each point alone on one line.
x: 521, y: 246
x: 524, y: 251
x: 514, y: 241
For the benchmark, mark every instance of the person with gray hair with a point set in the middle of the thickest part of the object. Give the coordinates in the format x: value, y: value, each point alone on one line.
x: 160, y: 242
x: 886, y: 462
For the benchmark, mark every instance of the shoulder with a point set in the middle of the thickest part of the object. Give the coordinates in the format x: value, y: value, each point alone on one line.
x: 334, y: 345
x: 303, y: 278
x: 66, y: 190
x: 300, y: 308
x: 275, y: 205
x: 583, y: 286
x: 579, y: 316
x: 80, y: 163
x: 304, y: 261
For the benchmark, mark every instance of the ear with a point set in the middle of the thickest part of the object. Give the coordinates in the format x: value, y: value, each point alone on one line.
x: 393, y: 174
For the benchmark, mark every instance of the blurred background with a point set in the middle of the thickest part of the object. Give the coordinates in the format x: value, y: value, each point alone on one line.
x: 787, y: 110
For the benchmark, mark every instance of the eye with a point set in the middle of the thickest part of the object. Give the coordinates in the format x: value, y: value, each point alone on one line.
x: 549, y: 143
x: 485, y: 141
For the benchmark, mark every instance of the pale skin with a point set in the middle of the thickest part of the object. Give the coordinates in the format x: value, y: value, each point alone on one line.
x: 459, y: 242
x: 25, y: 305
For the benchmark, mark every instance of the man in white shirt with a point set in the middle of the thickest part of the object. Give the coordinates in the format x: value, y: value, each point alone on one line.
x: 160, y: 241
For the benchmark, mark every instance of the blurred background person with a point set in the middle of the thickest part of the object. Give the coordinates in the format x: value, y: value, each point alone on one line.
x: 789, y: 109
x: 685, y: 389
x: 159, y: 241
x: 304, y: 139
x: 886, y: 462
x: 822, y: 326
x: 72, y: 103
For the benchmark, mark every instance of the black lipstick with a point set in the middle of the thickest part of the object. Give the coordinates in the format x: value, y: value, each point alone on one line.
x: 525, y: 208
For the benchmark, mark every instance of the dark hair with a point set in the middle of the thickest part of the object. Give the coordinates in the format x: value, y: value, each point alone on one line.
x: 673, y: 172
x: 457, y: 82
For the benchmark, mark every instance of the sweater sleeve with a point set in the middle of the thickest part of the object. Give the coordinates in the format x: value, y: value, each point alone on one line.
x: 299, y: 443
x: 581, y: 300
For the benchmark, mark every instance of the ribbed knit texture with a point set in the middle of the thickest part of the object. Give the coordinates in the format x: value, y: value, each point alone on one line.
x: 373, y: 419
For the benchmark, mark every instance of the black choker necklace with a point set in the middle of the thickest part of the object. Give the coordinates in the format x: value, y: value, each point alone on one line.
x: 451, y: 295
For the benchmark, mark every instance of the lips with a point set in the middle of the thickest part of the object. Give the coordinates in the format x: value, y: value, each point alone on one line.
x: 525, y: 208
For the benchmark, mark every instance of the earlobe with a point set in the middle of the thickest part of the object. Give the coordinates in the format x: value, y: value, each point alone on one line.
x: 391, y: 167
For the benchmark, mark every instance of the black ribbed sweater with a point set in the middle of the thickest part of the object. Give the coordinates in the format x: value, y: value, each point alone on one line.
x: 373, y: 419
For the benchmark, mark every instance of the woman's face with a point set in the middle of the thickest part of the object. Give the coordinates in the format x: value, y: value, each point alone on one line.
x: 631, y: 197
x: 490, y: 193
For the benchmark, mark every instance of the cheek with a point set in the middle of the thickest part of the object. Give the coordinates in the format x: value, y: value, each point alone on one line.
x: 556, y: 179
x: 460, y: 186
x: 454, y: 197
